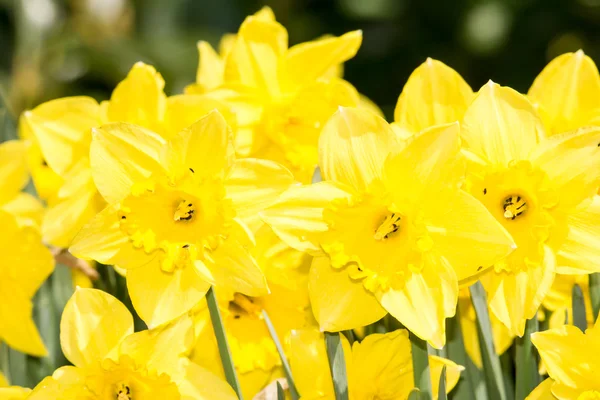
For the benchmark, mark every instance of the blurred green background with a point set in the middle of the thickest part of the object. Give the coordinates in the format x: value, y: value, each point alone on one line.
x: 55, y: 48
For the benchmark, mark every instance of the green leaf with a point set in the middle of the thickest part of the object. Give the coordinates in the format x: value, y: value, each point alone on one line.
x: 224, y: 352
x: 579, y: 317
x: 337, y: 365
x: 491, y: 363
x: 286, y: 366
x: 8, y: 129
x: 442, y: 385
x: 416, y: 394
x: 594, y: 280
x: 526, y: 361
x: 280, y: 392
x: 420, y: 359
x: 471, y: 384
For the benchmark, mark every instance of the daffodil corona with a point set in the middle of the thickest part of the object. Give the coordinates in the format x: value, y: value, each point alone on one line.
x: 176, y: 213
x: 394, y: 224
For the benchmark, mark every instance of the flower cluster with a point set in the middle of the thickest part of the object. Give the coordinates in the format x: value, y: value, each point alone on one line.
x: 275, y: 187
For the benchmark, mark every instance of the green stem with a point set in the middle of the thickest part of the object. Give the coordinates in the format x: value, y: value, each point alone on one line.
x: 579, y: 315
x: 594, y: 280
x: 224, y: 352
x: 337, y: 365
x: 420, y: 359
x: 526, y: 362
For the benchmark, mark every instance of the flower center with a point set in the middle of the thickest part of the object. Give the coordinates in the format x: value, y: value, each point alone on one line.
x: 514, y: 206
x: 242, y: 305
x: 184, y: 212
x: 124, y: 393
x: 389, y: 226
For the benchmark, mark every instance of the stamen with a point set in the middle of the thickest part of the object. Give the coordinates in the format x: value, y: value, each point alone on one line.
x: 390, y: 225
x: 514, y: 206
x: 184, y: 212
x: 243, y: 305
x: 124, y: 393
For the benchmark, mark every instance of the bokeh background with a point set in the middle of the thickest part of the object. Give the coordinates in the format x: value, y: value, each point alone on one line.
x: 54, y: 48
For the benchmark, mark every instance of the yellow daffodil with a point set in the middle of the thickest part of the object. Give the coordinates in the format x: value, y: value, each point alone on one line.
x: 394, y: 224
x: 379, y: 367
x: 568, y: 355
x: 12, y: 392
x: 176, y: 213
x: 110, y: 361
x: 434, y: 94
x: 503, y: 339
x: 559, y: 300
x: 282, y: 96
x: 254, y: 353
x: 14, y: 176
x: 540, y: 189
x: 25, y: 263
x: 568, y: 93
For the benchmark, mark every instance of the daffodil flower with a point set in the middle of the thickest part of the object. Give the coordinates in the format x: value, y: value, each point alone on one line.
x: 540, y: 189
x: 567, y: 93
x: 566, y: 353
x: 282, y: 96
x: 379, y: 367
x: 25, y: 263
x: 176, y: 213
x: 398, y: 231
x: 110, y: 361
x: 434, y: 94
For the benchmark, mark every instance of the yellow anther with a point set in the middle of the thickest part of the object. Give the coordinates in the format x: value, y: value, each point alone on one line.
x: 514, y: 206
x: 242, y: 304
x: 124, y: 393
x: 390, y: 225
x: 184, y: 212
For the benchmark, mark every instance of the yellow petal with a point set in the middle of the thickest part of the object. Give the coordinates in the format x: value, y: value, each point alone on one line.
x: 19, y: 330
x: 139, y: 99
x: 381, y: 366
x: 501, y: 125
x: 543, y: 391
x: 122, y: 154
x: 210, y: 68
x: 254, y: 184
x: 92, y: 326
x: 434, y: 94
x: 101, y: 239
x: 13, y: 169
x: 568, y: 90
x: 310, y: 368
x: 233, y: 267
x: 201, y: 384
x: 465, y: 223
x: 28, y: 209
x: 572, y: 164
x: 453, y: 371
x: 338, y: 303
x: 580, y: 252
x: 162, y: 348
x: 254, y: 57
x: 184, y: 110
x: 353, y: 147
x: 205, y: 148
x: 430, y: 163
x: 160, y: 297
x: 62, y: 128
x: 515, y: 297
x: 298, y: 214
x: 562, y: 350
x: 426, y: 300
x: 66, y: 383
x: 310, y: 60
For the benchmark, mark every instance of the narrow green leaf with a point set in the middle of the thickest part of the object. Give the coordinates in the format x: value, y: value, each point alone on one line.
x: 350, y: 336
x: 286, y: 366
x: 491, y: 363
x: 280, y: 392
x: 224, y: 352
x: 579, y: 317
x: 471, y: 384
x: 442, y: 385
x: 526, y: 361
x: 594, y: 280
x: 316, y: 176
x: 416, y: 394
x: 420, y: 359
x: 337, y: 365
x: 508, y: 372
x: 5, y: 361
x: 8, y: 129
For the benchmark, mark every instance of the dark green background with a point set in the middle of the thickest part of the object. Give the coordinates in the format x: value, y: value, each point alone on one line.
x: 57, y: 48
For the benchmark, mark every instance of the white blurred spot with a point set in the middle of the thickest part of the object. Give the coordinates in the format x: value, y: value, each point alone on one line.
x: 487, y: 26
x: 41, y: 13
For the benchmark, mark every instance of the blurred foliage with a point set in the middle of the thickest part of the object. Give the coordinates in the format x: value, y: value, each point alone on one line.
x: 54, y: 48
